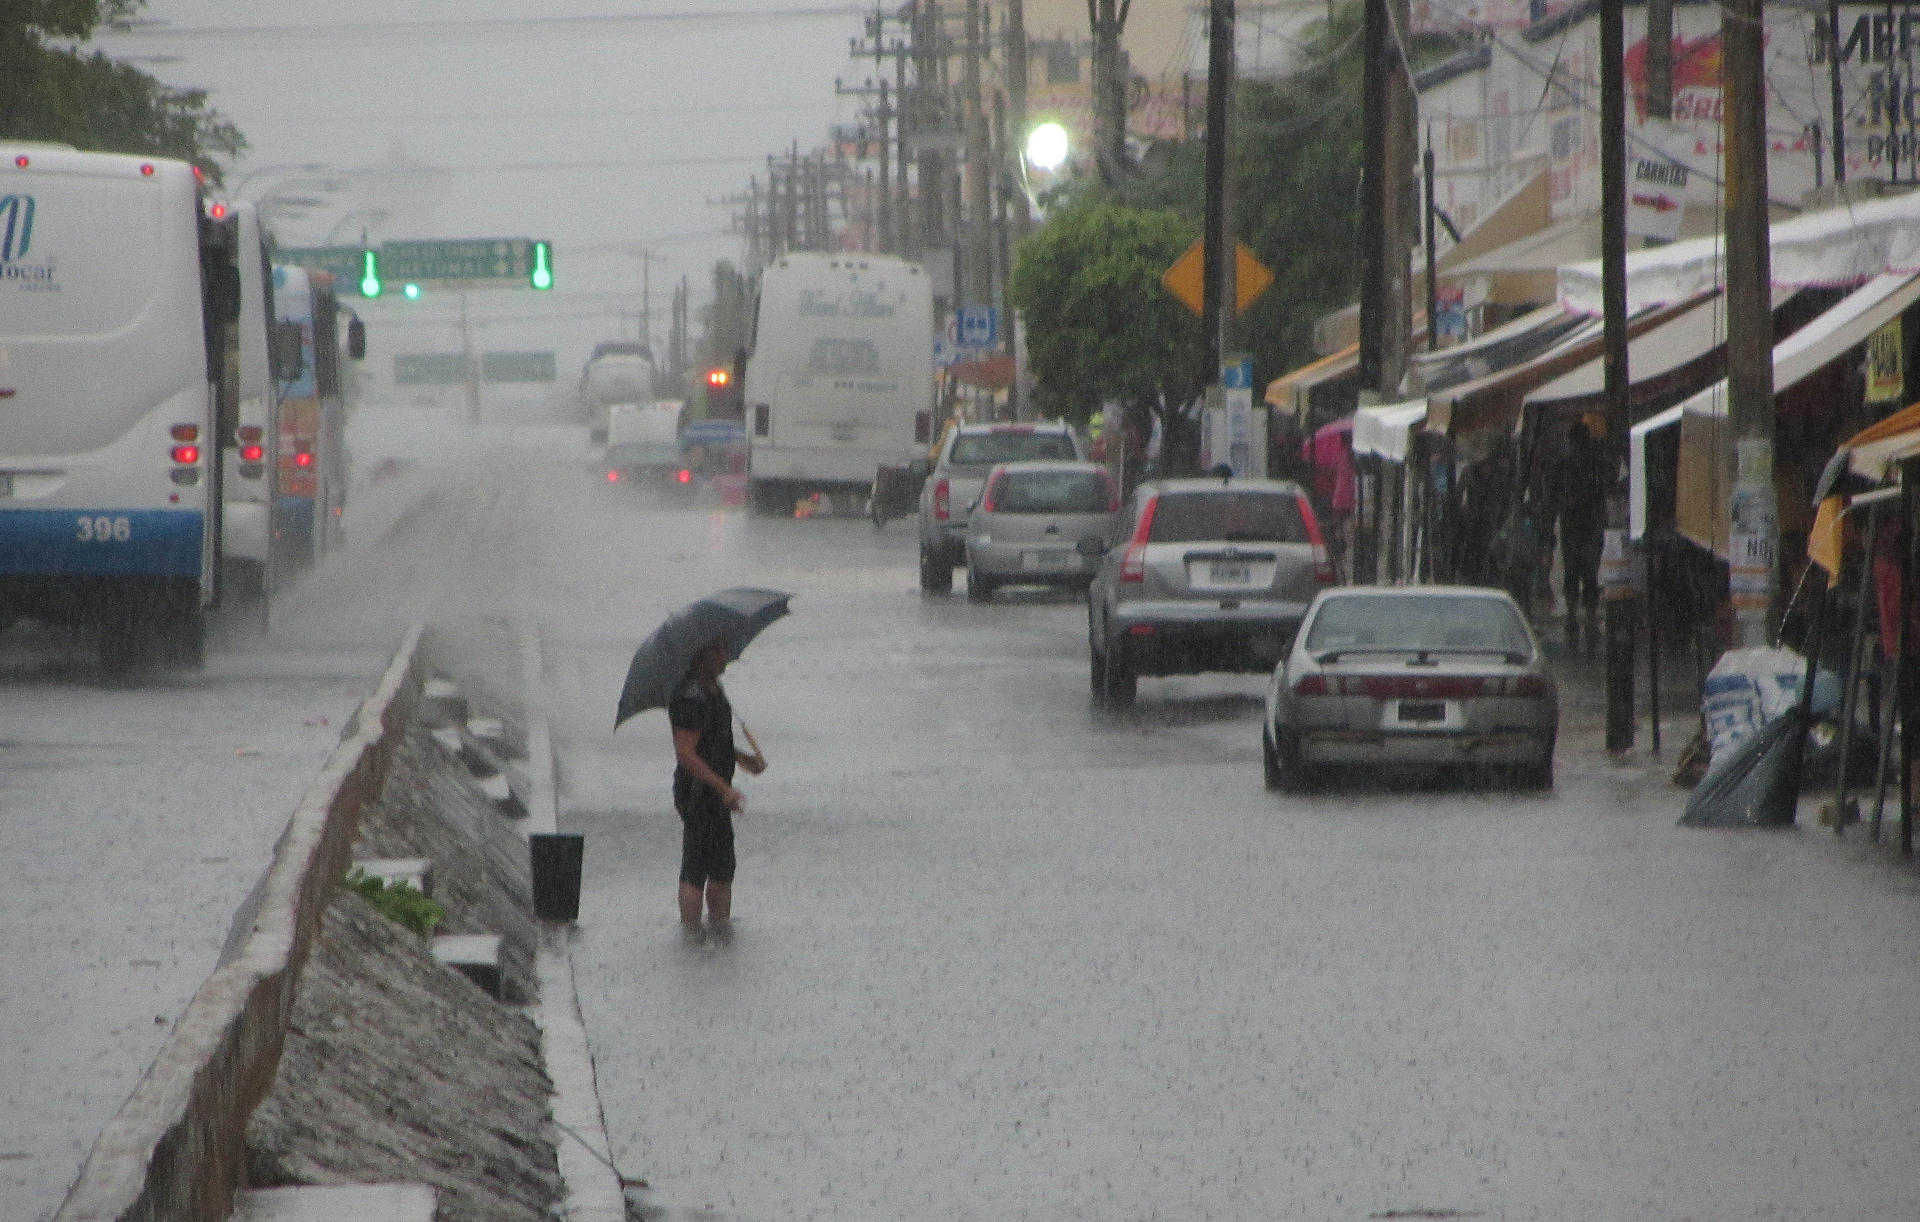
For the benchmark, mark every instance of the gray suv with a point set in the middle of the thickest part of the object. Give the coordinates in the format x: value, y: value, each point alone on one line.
x: 1202, y: 574
x: 970, y: 451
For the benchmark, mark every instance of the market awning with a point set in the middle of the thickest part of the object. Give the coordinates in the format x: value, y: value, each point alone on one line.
x: 1874, y: 451
x: 1386, y: 429
x: 1494, y: 402
x: 1686, y: 345
x: 1833, y: 246
x: 1506, y: 345
x: 1288, y: 392
x: 1706, y: 438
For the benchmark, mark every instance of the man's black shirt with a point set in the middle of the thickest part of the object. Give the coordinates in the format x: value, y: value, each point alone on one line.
x: 707, y: 712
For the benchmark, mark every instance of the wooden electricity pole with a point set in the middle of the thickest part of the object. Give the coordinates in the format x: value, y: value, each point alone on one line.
x: 1753, y: 531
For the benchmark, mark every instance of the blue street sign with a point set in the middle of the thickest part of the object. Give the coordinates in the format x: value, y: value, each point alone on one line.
x: 979, y: 326
x: 1237, y: 375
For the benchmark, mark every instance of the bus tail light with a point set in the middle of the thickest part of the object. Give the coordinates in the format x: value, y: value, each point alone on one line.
x: 252, y: 453
x: 303, y: 459
x: 683, y: 475
x: 186, y: 456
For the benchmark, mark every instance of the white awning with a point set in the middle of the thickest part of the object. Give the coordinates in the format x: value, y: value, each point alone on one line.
x: 1386, y: 429
x: 1706, y: 444
x: 1650, y: 354
x: 1834, y: 246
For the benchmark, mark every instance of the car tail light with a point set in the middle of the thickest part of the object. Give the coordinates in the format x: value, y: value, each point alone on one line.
x: 1133, y: 562
x: 941, y: 491
x: 252, y: 453
x: 1323, y: 571
x: 613, y: 477
x: 186, y: 456
x: 684, y: 476
x: 1528, y: 687
x: 993, y: 487
x: 1311, y: 685
x: 184, y: 432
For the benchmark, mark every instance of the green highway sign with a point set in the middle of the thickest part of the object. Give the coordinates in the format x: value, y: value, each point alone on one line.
x: 461, y: 260
x: 343, y: 262
x: 518, y: 367
x: 429, y: 369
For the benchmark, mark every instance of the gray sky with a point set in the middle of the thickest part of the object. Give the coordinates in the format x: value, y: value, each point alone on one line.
x: 603, y: 125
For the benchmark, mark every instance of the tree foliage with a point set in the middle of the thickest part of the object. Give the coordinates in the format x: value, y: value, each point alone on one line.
x: 53, y: 92
x: 728, y: 318
x: 1099, y: 323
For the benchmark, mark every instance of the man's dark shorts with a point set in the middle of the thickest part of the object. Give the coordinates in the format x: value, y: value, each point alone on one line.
x: 706, y: 845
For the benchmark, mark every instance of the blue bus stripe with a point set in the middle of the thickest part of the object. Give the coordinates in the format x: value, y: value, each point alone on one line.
x: 136, y: 542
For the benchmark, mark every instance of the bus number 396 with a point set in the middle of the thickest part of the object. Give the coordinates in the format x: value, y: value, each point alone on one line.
x: 105, y: 530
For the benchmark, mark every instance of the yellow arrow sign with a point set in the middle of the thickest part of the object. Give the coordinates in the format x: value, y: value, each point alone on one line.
x: 1186, y: 279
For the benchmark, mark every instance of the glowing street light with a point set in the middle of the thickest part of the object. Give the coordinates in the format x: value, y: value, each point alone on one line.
x: 1047, y: 146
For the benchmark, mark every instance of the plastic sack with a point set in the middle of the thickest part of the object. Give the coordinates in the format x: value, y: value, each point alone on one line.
x: 1746, y: 689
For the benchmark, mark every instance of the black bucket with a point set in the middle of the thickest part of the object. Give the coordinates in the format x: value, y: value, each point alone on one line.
x: 556, y: 875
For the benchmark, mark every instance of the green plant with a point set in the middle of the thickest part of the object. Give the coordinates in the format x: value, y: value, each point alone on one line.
x: 401, y: 902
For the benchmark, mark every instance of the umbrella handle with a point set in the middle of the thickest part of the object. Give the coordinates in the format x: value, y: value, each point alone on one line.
x: 751, y: 741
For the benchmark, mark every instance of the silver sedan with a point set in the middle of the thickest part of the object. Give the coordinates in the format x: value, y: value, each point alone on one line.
x: 1027, y: 525
x: 1414, y: 675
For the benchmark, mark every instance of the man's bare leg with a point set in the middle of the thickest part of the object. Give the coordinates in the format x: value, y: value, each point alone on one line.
x: 689, y: 907
x: 720, y: 909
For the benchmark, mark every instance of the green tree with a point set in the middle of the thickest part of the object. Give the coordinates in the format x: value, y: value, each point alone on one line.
x: 728, y: 319
x: 90, y: 101
x: 1099, y: 323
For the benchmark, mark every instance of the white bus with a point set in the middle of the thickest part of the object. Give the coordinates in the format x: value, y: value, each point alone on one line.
x: 839, y: 376
x: 250, y: 479
x: 117, y: 298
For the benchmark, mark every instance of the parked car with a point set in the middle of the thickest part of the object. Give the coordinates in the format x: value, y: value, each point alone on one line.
x: 1027, y: 525
x: 970, y: 451
x: 1421, y: 675
x: 1202, y: 574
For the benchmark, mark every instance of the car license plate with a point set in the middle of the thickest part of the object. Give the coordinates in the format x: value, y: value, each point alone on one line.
x: 1230, y: 572
x: 1047, y: 558
x: 1419, y: 711
x: 6, y: 483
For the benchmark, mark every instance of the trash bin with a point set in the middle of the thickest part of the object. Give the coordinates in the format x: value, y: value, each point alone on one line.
x: 556, y: 860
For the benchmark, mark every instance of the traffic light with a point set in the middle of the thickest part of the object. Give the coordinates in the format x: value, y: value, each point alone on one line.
x: 411, y: 292
x: 540, y: 271
x: 370, y: 273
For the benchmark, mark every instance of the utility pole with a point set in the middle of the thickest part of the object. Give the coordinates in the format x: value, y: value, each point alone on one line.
x: 1386, y: 155
x: 1753, y: 530
x: 1217, y: 237
x: 1619, y: 605
x: 1108, y: 19
x: 979, y: 169
x: 1016, y: 25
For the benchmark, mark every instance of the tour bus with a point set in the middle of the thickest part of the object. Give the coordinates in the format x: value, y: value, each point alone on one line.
x: 312, y: 453
x: 839, y: 375
x: 118, y: 294
x: 250, y: 477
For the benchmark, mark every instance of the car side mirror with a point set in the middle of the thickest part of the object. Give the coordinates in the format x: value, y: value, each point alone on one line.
x: 1091, y: 546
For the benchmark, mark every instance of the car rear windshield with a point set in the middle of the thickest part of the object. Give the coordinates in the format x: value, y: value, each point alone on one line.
x: 985, y: 449
x: 1238, y: 517
x: 1050, y: 492
x: 1431, y: 622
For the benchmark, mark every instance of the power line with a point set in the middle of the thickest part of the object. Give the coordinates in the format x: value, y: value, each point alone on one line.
x: 443, y: 29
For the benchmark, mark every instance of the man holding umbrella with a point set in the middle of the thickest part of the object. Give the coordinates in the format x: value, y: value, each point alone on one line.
x: 678, y: 668
x: 703, y: 792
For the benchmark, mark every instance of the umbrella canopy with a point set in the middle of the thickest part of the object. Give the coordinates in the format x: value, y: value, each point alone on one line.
x: 663, y: 658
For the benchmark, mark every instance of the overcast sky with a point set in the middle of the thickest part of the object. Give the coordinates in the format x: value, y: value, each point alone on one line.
x: 604, y: 125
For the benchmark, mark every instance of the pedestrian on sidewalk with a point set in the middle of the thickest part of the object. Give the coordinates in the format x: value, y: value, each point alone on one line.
x: 703, y: 793
x: 1580, y: 487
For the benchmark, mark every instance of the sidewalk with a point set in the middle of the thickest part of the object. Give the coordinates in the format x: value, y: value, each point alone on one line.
x: 1583, y: 708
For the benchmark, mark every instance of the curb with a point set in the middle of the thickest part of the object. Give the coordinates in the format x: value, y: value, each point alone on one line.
x: 176, y: 1150
x: 594, y: 1189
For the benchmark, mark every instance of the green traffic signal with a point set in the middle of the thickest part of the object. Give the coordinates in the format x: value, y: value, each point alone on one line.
x: 370, y: 273
x: 412, y: 292
x: 540, y: 275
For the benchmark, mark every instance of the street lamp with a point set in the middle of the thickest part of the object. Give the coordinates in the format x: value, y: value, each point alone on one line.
x: 1048, y: 146
x: 305, y: 167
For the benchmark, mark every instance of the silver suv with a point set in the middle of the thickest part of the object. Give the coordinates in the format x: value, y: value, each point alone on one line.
x: 970, y: 451
x: 1202, y: 574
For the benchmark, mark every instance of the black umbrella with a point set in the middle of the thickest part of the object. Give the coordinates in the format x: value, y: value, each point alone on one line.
x: 663, y: 658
